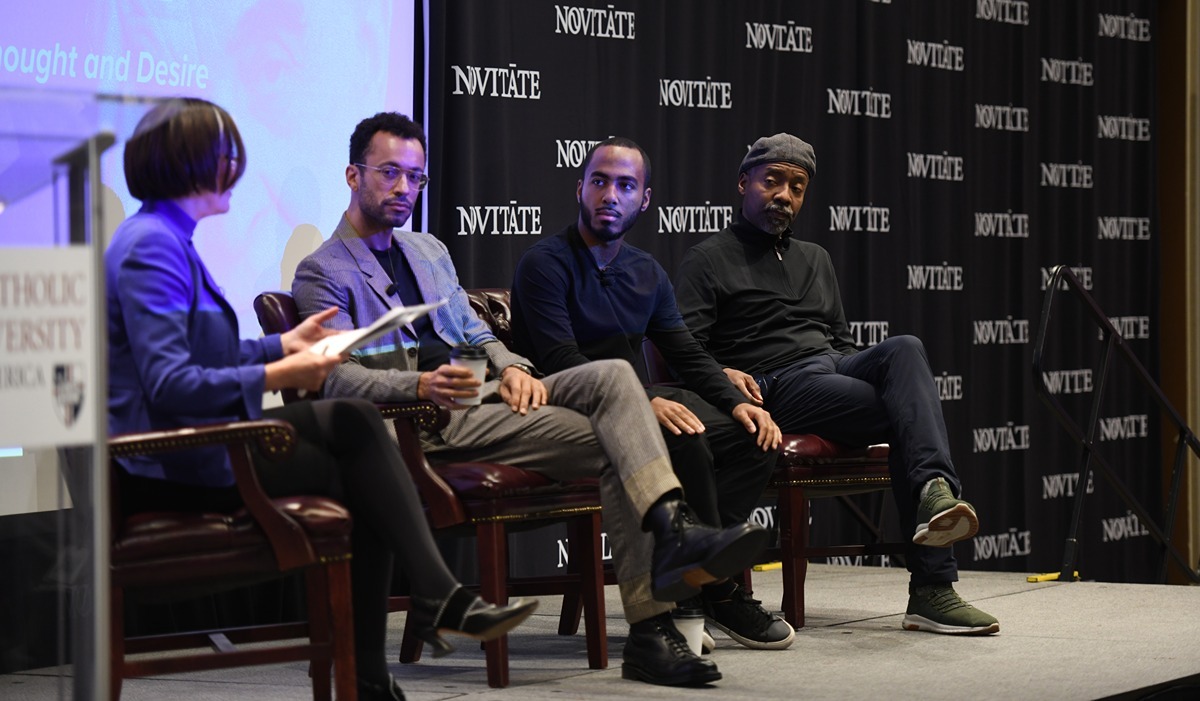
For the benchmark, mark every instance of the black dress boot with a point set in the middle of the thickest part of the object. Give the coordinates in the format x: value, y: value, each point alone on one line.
x: 368, y: 691
x: 466, y: 614
x: 688, y: 553
x: 656, y: 652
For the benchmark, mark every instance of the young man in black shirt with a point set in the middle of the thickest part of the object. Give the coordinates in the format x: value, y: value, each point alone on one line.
x: 586, y: 294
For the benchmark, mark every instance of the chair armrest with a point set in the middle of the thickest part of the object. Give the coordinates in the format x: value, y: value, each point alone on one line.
x: 275, y: 439
x: 408, y: 419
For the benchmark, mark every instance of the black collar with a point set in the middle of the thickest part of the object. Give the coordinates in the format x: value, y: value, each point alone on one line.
x: 754, y: 236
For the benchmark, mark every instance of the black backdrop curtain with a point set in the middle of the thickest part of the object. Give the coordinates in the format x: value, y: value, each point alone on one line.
x: 963, y: 149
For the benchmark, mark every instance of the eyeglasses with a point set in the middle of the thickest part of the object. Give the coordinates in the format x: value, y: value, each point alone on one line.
x: 391, y: 174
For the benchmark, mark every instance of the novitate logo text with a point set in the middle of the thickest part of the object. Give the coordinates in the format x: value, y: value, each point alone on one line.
x: 488, y: 81
x: 1123, y: 228
x: 949, y: 387
x: 695, y: 219
x: 994, y: 547
x: 779, y: 37
x: 1131, y: 28
x: 572, y: 151
x: 1069, y: 175
x: 1122, y: 428
x: 1057, y: 70
x: 1068, y: 381
x: 594, y: 22
x: 564, y: 550
x: 1130, y: 327
x: 707, y: 93
x: 868, y: 333
x: 859, y: 218
x: 1122, y: 528
x: 860, y: 103
x: 1007, y: 11
x: 935, y: 166
x: 1083, y: 273
x: 931, y: 54
x: 1003, y: 225
x: 503, y: 220
x: 1001, y: 117
x: 1000, y: 439
x: 1127, y: 128
x: 1008, y: 331
x: 936, y: 278
x: 1064, y: 485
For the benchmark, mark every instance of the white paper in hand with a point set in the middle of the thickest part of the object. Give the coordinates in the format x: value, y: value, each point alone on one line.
x: 394, y: 319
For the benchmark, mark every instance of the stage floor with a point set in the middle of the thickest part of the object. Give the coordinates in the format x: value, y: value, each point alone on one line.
x: 1082, y: 640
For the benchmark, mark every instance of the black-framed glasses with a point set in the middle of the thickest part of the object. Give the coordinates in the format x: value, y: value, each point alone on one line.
x: 391, y: 174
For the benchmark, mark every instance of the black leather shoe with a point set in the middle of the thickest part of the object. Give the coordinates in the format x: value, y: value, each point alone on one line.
x: 368, y: 691
x: 657, y: 653
x: 688, y: 553
x: 463, y: 613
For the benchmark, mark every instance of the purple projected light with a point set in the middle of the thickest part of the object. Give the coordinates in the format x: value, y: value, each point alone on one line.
x: 297, y: 76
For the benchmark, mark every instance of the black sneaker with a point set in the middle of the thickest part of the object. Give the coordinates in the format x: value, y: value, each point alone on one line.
x: 744, y: 619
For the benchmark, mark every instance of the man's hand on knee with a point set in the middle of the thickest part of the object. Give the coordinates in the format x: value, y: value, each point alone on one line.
x: 758, y: 420
x: 677, y: 418
x: 521, y: 391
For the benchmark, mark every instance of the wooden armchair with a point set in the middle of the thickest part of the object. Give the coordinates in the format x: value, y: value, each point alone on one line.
x: 159, y: 555
x: 809, y: 467
x: 489, y: 501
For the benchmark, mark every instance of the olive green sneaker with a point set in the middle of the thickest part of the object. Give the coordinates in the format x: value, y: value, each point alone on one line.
x: 942, y: 519
x: 937, y: 608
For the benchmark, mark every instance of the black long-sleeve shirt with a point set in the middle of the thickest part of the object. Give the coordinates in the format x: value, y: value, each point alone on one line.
x: 567, y: 311
x: 759, y: 302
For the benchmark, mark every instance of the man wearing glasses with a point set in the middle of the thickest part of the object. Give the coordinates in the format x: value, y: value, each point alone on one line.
x: 587, y: 421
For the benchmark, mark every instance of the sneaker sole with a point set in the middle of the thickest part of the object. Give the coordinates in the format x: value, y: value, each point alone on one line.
x: 915, y: 622
x: 739, y: 553
x: 751, y: 642
x: 629, y: 671
x: 948, y: 527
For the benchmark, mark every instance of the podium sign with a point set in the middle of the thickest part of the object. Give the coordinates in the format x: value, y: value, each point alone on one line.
x: 47, y: 353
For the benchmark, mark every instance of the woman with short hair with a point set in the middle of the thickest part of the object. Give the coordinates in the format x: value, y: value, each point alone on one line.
x: 176, y: 359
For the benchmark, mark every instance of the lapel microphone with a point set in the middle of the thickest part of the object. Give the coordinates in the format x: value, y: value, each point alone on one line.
x: 392, y: 289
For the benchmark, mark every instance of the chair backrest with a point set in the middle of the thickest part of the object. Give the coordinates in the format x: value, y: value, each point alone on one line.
x: 277, y: 313
x: 493, y: 306
x: 658, y: 372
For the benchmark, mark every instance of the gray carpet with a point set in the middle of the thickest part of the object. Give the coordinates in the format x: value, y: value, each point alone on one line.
x: 1083, y: 640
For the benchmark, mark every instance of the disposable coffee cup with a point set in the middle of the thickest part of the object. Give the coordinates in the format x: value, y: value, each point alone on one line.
x: 473, y: 357
x: 690, y: 623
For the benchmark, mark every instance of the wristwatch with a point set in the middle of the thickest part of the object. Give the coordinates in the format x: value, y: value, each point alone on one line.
x: 523, y: 368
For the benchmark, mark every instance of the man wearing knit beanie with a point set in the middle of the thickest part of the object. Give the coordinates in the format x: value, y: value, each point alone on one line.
x: 788, y: 330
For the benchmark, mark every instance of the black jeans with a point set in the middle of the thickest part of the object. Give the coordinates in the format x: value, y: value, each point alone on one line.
x: 723, y: 471
x: 883, y: 394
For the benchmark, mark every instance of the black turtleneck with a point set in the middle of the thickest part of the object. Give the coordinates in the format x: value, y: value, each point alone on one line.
x: 759, y: 302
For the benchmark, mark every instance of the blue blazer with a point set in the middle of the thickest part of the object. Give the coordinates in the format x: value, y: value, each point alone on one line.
x: 174, y: 355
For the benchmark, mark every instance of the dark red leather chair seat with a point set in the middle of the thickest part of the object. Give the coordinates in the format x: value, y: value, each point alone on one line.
x: 151, y: 546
